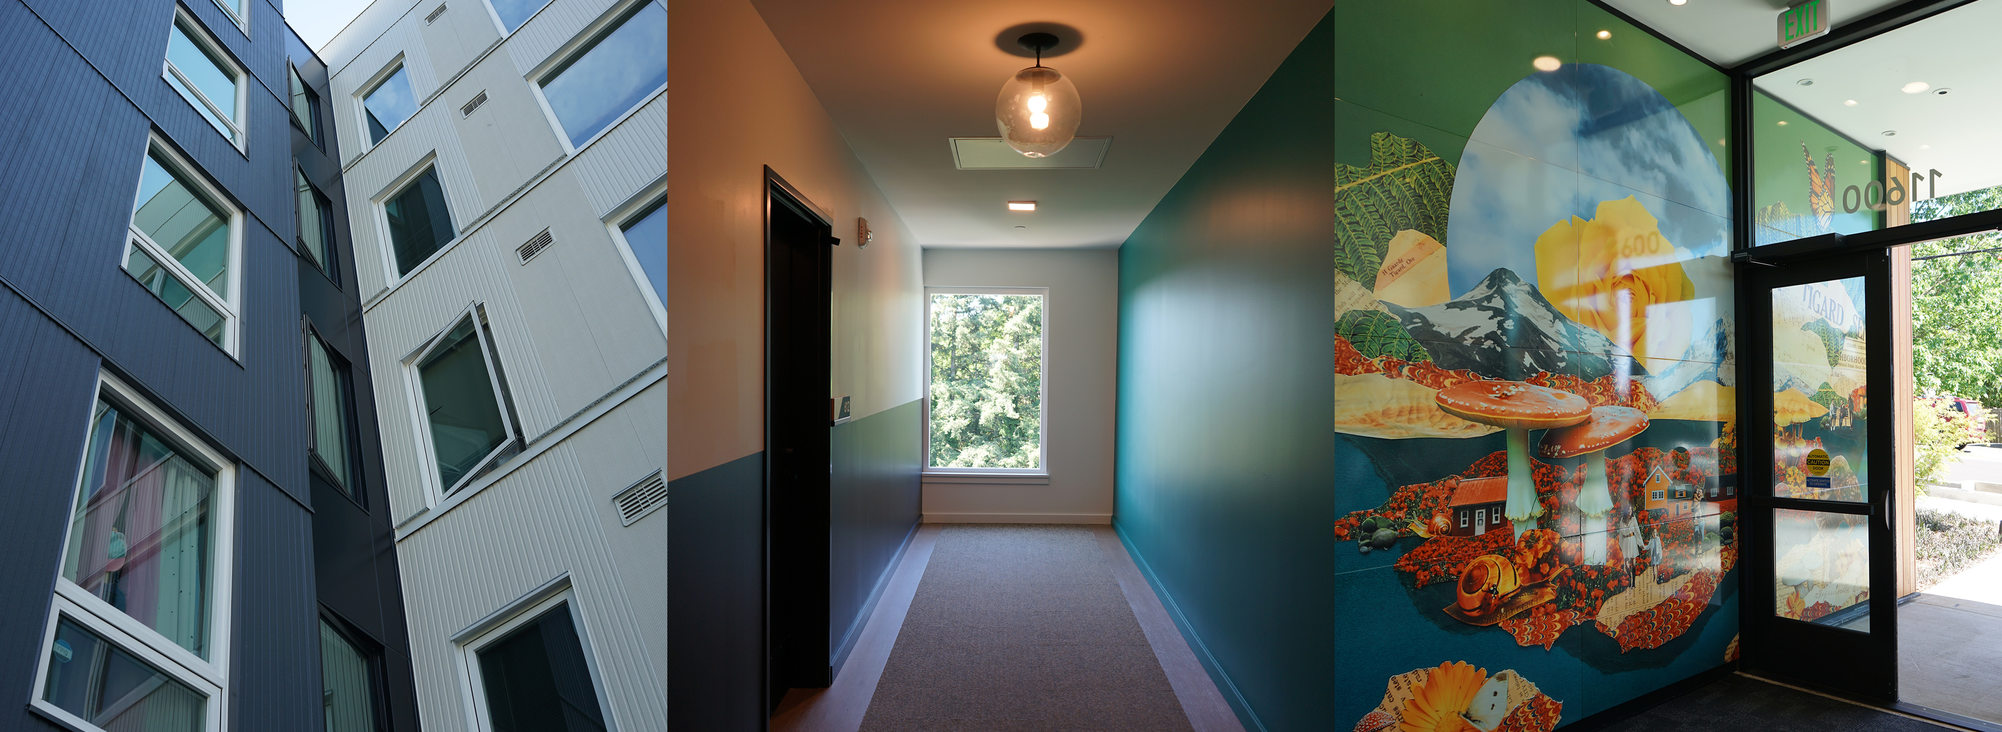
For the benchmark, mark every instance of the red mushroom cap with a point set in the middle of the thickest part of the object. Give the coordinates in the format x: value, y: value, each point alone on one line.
x: 1513, y: 404
x: 1608, y: 426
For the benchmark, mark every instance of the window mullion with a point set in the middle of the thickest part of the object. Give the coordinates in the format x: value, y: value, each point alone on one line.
x: 94, y: 611
x: 196, y: 285
x: 236, y: 132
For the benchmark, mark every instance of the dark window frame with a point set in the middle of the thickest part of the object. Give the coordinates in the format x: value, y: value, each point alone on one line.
x: 344, y: 373
x: 371, y: 651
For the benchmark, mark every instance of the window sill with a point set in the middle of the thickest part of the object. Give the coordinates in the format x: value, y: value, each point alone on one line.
x: 984, y: 478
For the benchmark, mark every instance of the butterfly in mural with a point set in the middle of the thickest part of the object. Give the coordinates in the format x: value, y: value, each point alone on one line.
x: 1820, y: 186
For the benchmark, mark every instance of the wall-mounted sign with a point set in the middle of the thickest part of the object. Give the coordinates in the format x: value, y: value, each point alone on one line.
x: 1803, y: 21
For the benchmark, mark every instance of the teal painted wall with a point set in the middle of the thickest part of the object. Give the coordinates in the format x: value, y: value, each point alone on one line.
x: 1414, y: 190
x: 1224, y: 451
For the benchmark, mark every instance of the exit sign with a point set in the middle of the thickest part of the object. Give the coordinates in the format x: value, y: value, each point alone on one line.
x: 1803, y: 21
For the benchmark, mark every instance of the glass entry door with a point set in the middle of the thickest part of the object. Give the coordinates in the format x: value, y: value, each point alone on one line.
x: 1821, y: 573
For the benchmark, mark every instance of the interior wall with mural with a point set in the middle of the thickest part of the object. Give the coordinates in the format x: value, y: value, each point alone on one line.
x: 1534, y: 381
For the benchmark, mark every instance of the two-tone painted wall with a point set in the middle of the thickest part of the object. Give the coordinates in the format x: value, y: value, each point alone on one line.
x: 576, y: 337
x: 741, y: 105
x: 1429, y: 196
x: 87, y: 87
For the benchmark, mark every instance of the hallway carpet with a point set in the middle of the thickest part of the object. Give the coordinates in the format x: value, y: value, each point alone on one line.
x: 1021, y: 628
x: 1739, y: 702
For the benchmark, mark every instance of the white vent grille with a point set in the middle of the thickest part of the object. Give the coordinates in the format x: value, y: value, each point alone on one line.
x: 643, y: 498
x: 535, y: 246
x: 433, y: 17
x: 467, y: 111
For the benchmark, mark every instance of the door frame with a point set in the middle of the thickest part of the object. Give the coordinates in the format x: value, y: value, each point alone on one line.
x: 796, y: 539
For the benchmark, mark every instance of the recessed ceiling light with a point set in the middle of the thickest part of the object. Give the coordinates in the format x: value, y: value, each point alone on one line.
x: 1925, y: 147
x: 1890, y: 133
x: 1942, y: 91
x: 1678, y: 3
x: 1783, y: 123
x: 1546, y: 63
x: 1848, y: 102
x: 1019, y: 226
x: 1605, y: 34
x: 1916, y: 87
x: 1021, y: 205
x: 1804, y: 82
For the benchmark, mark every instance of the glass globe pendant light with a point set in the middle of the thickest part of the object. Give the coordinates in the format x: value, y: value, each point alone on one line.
x: 1038, y: 109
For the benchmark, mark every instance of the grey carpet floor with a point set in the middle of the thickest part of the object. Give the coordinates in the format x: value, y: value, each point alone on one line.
x: 1741, y: 703
x: 1021, y: 628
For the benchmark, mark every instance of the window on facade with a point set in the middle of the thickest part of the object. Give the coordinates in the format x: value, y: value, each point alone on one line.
x: 110, y: 688
x: 204, y: 75
x: 305, y: 106
x: 182, y: 246
x: 646, y: 238
x: 389, y: 104
x: 236, y: 9
x: 610, y: 75
x: 986, y: 380
x: 331, y: 390
x: 419, y: 222
x: 535, y: 677
x: 315, y: 221
x: 464, y: 403
x: 513, y: 13
x: 348, y: 677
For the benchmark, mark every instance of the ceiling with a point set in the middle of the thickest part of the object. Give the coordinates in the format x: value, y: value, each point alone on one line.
x: 1730, y: 32
x: 1160, y: 77
x: 1953, y: 133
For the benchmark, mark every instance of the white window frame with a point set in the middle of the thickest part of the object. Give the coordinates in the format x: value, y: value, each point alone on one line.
x: 188, y: 174
x: 1464, y: 516
x: 501, y: 26
x: 494, y: 627
x: 569, y: 52
x: 209, y: 676
x: 242, y: 20
x: 653, y: 195
x: 369, y: 87
x: 1042, y: 471
x: 199, y: 34
x: 420, y: 413
x: 380, y: 208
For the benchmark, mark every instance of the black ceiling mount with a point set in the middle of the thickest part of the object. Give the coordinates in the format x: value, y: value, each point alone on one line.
x: 1039, y: 40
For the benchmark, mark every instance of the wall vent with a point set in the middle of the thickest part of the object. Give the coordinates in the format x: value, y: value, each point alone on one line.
x: 433, y: 17
x: 467, y: 111
x: 535, y: 246
x: 644, y: 497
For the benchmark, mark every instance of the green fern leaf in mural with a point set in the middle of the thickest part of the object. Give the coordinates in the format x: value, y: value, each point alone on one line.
x: 1376, y: 333
x: 1825, y: 395
x: 1831, y: 339
x: 1406, y: 186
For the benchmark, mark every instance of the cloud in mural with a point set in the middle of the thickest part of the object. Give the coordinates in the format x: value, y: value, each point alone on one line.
x: 1556, y: 145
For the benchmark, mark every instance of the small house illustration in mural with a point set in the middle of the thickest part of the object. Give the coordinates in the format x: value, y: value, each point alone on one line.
x: 1477, y: 505
x: 1717, y: 488
x: 1676, y: 498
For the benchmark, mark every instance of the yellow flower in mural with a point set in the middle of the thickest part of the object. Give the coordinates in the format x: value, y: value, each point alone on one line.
x: 1438, y: 701
x: 1604, y: 273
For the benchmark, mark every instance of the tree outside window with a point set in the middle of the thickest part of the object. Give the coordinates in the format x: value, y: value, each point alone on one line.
x: 986, y: 400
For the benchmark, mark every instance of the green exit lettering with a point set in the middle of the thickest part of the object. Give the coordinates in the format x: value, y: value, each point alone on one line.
x: 1803, y: 21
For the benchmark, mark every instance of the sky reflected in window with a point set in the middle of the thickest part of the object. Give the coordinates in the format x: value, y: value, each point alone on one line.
x: 389, y: 105
x: 515, y: 12
x: 647, y: 236
x: 612, y: 75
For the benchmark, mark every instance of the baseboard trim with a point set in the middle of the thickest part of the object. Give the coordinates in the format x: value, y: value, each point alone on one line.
x: 1018, y: 518
x: 854, y: 632
x: 1245, y: 714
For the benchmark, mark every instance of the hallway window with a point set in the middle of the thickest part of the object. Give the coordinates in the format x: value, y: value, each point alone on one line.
x: 533, y: 674
x: 610, y: 76
x: 182, y: 245
x: 985, y: 405
x: 419, y: 222
x: 198, y: 69
x: 388, y: 104
x: 462, y: 399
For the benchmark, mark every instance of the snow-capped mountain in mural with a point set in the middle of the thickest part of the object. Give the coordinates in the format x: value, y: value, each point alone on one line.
x: 1504, y: 328
x: 1708, y: 358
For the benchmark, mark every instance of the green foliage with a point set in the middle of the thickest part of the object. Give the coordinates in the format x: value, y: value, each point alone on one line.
x: 1376, y: 333
x: 1948, y: 543
x: 1826, y: 395
x: 1938, y: 431
x: 1957, y: 304
x: 1406, y: 186
x: 986, y: 381
x: 1831, y: 339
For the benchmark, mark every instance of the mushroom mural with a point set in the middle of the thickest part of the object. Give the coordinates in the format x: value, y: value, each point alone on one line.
x: 1606, y: 427
x: 1516, y: 407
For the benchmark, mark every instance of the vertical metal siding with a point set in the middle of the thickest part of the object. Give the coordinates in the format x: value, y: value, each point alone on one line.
x: 271, y: 686
x: 627, y: 159
x: 547, y: 32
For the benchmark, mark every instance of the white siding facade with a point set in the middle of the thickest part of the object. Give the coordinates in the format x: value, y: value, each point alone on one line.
x: 581, y: 347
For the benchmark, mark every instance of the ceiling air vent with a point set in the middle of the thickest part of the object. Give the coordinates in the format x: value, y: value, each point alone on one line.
x: 433, y: 17
x: 467, y: 111
x: 990, y: 153
x: 641, y: 499
x: 535, y: 246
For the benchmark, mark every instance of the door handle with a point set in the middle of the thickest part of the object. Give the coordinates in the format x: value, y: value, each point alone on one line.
x: 1887, y: 511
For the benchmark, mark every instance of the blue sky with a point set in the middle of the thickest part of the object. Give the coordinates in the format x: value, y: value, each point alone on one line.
x: 318, y: 20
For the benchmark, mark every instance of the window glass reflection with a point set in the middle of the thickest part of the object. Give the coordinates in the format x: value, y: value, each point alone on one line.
x: 612, y: 75
x: 647, y: 237
x: 389, y: 105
